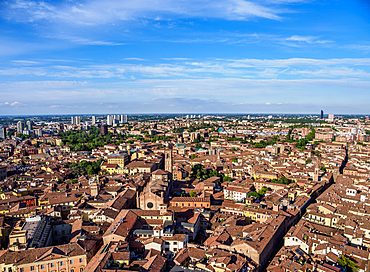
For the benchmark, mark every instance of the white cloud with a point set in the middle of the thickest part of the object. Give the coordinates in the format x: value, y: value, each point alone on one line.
x: 237, y: 68
x: 109, y: 11
x: 231, y: 90
x: 296, y: 38
x: 25, y: 62
x: 139, y: 59
x: 14, y: 104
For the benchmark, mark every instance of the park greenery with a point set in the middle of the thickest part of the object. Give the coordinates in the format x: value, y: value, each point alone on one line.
x: 258, y: 194
x: 194, y: 128
x: 85, y: 168
x: 198, y: 172
x: 81, y: 140
x: 282, y: 180
x: 263, y: 144
x: 302, y: 142
x: 87, y: 140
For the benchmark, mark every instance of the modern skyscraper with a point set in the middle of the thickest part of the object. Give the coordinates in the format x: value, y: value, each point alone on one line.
x: 104, y: 130
x: 29, y: 125
x: 38, y: 132
x: 2, y: 132
x: 93, y: 121
x: 76, y: 120
x: 331, y: 117
x: 123, y: 118
x: 322, y: 114
x: 110, y: 120
x: 19, y: 127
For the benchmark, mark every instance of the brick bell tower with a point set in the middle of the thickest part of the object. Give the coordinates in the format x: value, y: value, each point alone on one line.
x: 168, y: 160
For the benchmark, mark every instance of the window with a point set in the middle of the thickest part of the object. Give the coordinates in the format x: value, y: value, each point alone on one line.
x: 71, y: 261
x: 175, y: 243
x: 42, y: 266
x: 63, y: 231
x: 81, y: 260
x: 32, y: 268
x: 21, y: 269
x: 62, y: 263
x: 51, y: 264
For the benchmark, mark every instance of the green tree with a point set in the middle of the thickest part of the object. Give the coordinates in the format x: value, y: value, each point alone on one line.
x: 226, y: 178
x: 11, y: 133
x: 261, y: 192
x: 79, y: 171
x: 253, y: 194
x: 235, y: 159
x: 192, y: 193
x: 348, y: 263
x: 308, y: 161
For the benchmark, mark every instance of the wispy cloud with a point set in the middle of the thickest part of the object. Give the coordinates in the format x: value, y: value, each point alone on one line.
x: 307, y: 39
x: 98, y: 12
x: 359, y: 47
x: 25, y: 62
x: 138, y: 59
x: 178, y: 68
x: 83, y: 41
x: 14, y: 104
x: 157, y: 94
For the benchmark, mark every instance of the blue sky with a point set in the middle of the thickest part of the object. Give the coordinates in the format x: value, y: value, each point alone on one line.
x: 175, y: 56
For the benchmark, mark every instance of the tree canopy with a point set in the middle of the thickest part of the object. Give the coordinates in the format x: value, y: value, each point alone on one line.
x: 348, y: 263
x: 198, y: 171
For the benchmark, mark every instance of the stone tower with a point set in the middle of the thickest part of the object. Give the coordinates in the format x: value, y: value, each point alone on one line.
x: 93, y: 182
x: 168, y: 160
x: 316, y: 174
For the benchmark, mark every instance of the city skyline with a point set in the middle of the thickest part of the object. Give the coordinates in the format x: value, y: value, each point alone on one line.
x: 229, y: 56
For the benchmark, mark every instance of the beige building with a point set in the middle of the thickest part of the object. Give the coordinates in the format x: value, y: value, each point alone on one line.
x: 63, y: 258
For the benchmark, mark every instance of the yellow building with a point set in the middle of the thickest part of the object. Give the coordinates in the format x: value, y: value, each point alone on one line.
x: 120, y: 160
